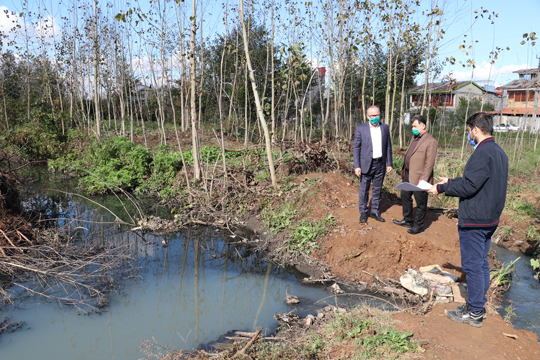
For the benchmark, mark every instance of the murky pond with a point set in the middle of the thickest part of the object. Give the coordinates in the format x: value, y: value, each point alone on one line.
x: 524, y: 293
x: 185, y: 294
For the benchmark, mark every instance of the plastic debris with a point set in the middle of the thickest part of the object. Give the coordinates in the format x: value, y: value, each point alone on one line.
x: 408, y: 282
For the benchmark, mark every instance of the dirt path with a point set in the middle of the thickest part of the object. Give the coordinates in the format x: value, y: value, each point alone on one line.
x: 387, y: 250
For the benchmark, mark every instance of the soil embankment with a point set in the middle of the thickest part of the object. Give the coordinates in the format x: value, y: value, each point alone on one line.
x: 354, y: 251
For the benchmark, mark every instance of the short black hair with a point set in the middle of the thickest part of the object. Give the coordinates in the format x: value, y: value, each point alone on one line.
x: 419, y: 118
x: 483, y: 121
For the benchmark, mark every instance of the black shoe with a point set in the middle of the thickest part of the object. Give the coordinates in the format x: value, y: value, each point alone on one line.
x: 415, y: 230
x: 463, y: 308
x: 363, y: 218
x: 377, y: 217
x: 464, y: 315
x: 403, y: 223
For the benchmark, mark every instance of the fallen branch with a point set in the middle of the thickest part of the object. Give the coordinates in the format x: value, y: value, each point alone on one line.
x: 250, y: 342
x: 9, y: 241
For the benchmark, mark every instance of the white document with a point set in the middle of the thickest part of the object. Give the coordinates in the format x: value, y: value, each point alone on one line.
x: 422, y: 186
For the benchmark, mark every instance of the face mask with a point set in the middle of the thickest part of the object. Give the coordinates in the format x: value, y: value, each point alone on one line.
x: 416, y: 132
x: 471, y: 141
x: 374, y: 120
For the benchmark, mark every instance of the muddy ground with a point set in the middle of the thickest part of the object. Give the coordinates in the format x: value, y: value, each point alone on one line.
x: 353, y: 251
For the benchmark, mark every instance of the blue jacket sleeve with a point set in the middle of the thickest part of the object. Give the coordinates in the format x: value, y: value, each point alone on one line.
x: 475, y: 175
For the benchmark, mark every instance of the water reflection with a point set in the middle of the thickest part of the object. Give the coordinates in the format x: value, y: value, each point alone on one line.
x: 185, y: 295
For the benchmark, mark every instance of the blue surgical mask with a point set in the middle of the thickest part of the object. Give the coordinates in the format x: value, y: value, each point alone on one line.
x: 471, y: 141
x: 374, y: 120
x: 416, y: 132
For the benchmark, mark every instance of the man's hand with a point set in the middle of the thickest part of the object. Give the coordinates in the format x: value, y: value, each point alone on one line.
x: 388, y: 169
x: 358, y: 172
x: 433, y: 189
x: 444, y: 180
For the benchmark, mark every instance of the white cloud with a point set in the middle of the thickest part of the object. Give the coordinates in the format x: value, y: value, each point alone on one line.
x: 486, y: 71
x: 48, y: 28
x: 8, y: 20
x: 16, y: 28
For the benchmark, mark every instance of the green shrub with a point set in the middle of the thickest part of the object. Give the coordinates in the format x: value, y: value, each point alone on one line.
x: 36, y: 143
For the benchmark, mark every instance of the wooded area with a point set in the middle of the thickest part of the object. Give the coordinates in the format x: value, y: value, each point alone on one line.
x: 111, y: 67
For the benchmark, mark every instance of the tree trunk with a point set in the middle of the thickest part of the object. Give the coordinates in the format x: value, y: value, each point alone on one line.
x: 257, y: 102
x: 193, y: 94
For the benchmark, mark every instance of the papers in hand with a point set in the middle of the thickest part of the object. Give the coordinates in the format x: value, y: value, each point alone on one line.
x: 422, y: 186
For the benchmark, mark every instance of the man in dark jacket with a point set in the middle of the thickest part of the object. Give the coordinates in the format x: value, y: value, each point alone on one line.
x: 372, y: 151
x: 482, y: 194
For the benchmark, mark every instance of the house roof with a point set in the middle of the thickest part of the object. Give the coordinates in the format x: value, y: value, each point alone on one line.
x: 526, y: 71
x: 441, y: 88
x: 515, y: 111
x: 521, y: 84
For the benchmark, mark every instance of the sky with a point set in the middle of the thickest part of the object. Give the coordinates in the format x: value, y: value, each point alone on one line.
x: 514, y: 18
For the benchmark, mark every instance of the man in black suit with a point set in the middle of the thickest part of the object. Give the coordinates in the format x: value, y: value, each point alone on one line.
x: 372, y: 150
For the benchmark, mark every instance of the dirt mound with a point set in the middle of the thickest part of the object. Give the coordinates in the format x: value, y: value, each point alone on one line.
x: 354, y: 252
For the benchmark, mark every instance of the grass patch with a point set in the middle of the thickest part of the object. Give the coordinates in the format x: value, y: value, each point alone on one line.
x: 503, y: 276
x: 361, y: 333
x: 388, y: 342
x: 279, y: 220
x: 304, y: 236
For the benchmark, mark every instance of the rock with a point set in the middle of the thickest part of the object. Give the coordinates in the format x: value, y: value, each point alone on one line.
x: 441, y: 279
x: 291, y: 299
x: 320, y: 315
x: 335, y: 289
x: 309, y: 321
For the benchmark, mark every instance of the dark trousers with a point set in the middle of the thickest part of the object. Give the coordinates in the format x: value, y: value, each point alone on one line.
x: 376, y: 174
x: 474, y: 244
x: 421, y: 198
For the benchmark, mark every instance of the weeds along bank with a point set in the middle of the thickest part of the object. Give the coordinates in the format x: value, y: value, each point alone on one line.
x: 239, y: 186
x: 38, y: 259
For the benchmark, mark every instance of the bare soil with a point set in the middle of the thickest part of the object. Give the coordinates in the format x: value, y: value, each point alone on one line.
x: 354, y: 251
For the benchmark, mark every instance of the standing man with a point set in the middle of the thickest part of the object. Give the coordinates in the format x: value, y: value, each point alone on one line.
x: 418, y: 165
x: 482, y: 194
x: 372, y: 160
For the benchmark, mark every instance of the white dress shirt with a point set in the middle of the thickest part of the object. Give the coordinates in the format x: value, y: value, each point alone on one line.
x: 376, y: 140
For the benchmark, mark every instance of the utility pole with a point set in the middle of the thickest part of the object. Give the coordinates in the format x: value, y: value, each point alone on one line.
x: 536, y: 91
x: 536, y: 85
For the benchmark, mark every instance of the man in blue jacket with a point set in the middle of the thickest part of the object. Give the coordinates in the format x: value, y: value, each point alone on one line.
x: 482, y: 194
x: 372, y: 151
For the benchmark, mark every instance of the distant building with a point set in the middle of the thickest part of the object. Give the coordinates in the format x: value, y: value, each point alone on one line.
x: 520, y: 99
x: 447, y: 94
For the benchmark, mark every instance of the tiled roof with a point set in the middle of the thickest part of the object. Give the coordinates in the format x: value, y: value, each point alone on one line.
x: 442, y: 87
x: 521, y: 84
x: 526, y: 71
